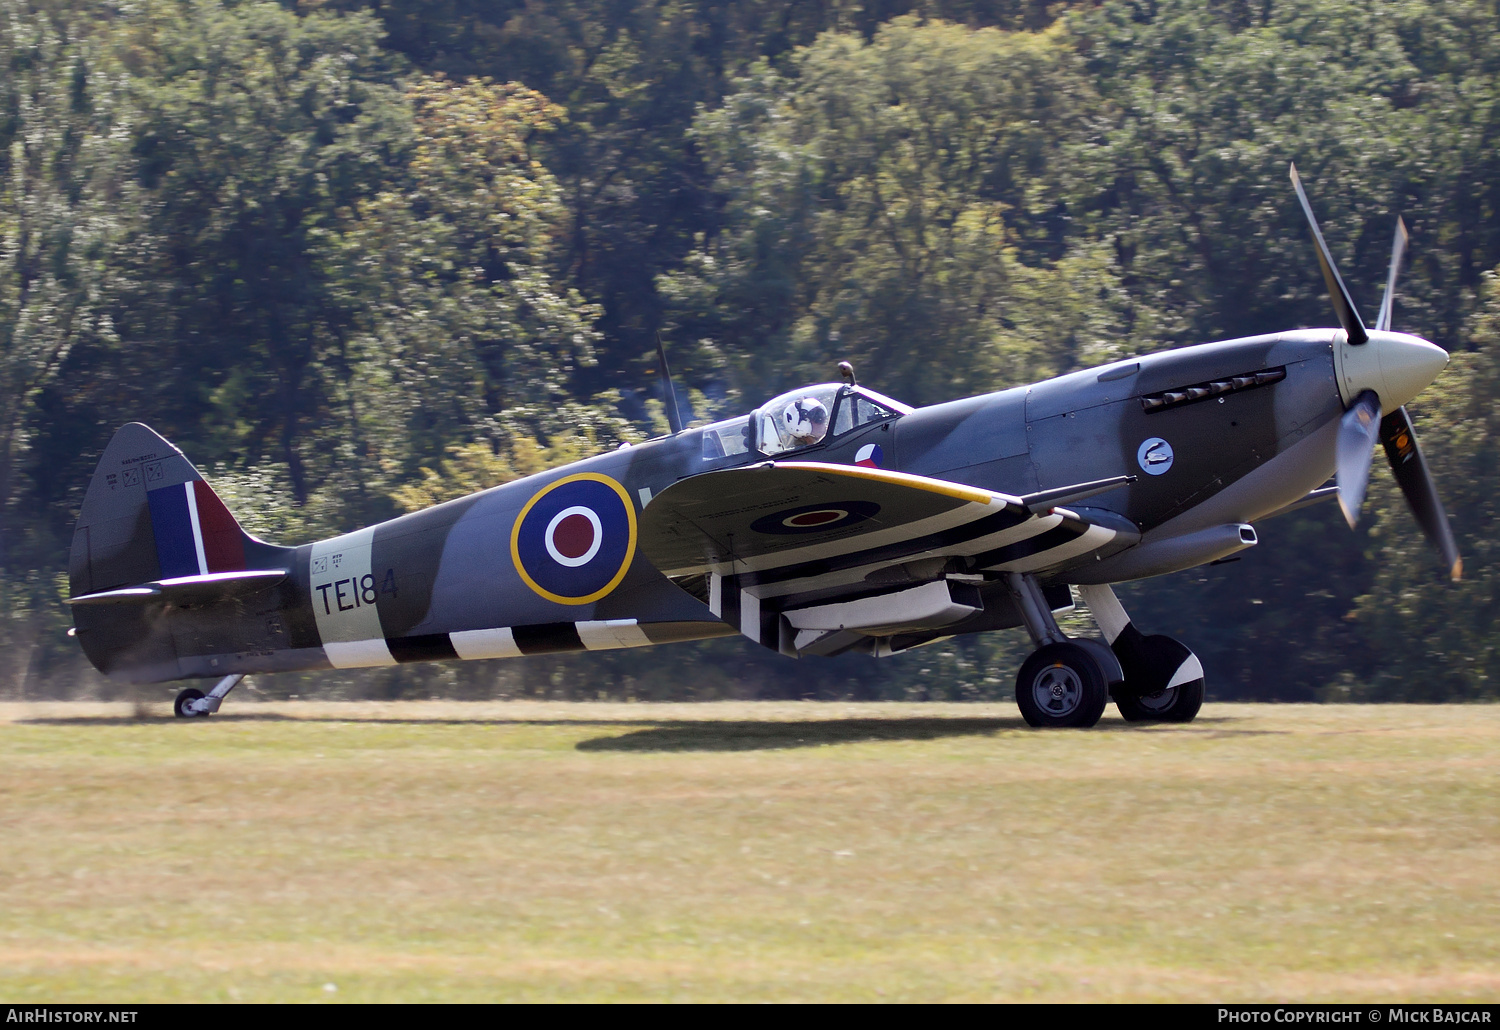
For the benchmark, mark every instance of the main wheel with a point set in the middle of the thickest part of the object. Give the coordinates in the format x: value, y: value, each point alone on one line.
x: 1149, y: 665
x: 1061, y: 684
x: 180, y: 705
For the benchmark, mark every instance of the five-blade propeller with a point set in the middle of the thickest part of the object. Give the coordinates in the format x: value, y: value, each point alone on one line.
x: 1363, y: 424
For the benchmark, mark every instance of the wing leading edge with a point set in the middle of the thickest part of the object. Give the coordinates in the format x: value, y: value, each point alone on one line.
x: 794, y: 549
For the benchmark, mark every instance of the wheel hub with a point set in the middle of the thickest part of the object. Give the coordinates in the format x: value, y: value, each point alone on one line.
x: 1057, y: 690
x: 1159, y: 701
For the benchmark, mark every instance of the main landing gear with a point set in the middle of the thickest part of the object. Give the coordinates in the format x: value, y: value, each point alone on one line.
x: 1062, y: 684
x: 1066, y: 682
x: 192, y: 703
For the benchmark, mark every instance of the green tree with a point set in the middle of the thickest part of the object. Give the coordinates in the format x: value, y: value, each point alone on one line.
x: 256, y: 128
x: 464, y: 329
x: 633, y: 75
x: 1387, y: 109
x: 65, y: 194
x: 888, y: 201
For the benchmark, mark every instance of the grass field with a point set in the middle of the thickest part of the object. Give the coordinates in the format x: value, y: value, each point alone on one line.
x: 531, y: 851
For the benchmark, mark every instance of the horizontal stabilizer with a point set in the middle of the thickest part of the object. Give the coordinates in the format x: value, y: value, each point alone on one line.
x: 188, y: 589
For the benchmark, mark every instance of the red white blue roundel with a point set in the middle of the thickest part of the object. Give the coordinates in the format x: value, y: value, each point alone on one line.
x: 815, y: 518
x: 869, y: 456
x: 573, y: 541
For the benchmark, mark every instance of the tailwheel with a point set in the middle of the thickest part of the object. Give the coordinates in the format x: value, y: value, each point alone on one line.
x: 181, y: 705
x: 1062, y: 685
x: 1163, y: 682
x: 1171, y: 704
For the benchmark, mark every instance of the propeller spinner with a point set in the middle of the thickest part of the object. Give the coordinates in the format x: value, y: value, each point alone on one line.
x: 1381, y: 368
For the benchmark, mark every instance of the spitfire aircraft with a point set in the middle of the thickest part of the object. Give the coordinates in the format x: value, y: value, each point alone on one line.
x: 831, y: 519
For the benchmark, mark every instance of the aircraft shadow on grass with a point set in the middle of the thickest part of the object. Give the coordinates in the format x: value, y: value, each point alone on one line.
x: 776, y: 735
x: 658, y: 735
x: 645, y: 734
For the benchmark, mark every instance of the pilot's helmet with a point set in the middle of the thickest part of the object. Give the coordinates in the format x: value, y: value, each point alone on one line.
x: 805, y: 420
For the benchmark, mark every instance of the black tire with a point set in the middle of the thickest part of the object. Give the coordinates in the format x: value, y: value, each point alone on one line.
x: 1150, y: 663
x: 178, y: 706
x: 1173, y: 704
x: 1061, y: 685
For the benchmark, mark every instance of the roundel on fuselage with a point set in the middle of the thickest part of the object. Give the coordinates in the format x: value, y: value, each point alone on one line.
x: 573, y: 541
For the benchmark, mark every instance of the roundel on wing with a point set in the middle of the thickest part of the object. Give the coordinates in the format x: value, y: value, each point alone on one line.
x: 815, y: 518
x: 573, y: 541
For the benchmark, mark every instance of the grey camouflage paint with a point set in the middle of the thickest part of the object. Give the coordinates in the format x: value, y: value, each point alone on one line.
x: 442, y: 583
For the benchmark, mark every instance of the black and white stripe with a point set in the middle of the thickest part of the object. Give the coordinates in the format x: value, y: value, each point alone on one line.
x: 541, y: 638
x: 741, y: 609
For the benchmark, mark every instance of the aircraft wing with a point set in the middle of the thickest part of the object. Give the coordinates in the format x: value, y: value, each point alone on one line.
x: 785, y: 535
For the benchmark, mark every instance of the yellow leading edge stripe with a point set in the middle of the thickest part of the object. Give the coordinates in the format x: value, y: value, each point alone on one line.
x: 933, y: 486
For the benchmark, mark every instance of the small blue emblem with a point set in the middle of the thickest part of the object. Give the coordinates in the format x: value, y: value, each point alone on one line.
x: 1154, y: 456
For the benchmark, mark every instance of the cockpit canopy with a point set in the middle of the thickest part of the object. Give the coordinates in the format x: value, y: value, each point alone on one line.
x: 800, y: 418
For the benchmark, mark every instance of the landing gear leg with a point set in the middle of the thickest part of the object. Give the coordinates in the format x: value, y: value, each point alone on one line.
x: 1163, y: 679
x: 193, y: 703
x: 1064, y: 682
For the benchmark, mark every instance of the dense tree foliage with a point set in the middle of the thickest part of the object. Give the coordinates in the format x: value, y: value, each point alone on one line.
x: 356, y: 257
x: 890, y: 202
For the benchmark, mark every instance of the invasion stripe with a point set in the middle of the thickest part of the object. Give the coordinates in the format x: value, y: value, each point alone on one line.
x: 1092, y: 538
x: 1064, y: 534
x: 855, y: 575
x: 485, y: 643
x: 428, y: 647
x: 357, y: 654
x: 995, y: 523
x: 547, y: 638
x: 611, y: 634
x: 931, y: 526
x: 1056, y: 544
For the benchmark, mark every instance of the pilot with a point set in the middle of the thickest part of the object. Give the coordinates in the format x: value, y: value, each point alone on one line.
x: 805, y: 421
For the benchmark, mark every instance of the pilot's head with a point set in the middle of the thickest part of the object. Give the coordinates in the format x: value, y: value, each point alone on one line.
x: 805, y: 420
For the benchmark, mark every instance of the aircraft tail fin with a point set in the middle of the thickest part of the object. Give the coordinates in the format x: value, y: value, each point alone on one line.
x: 152, y: 534
x: 149, y: 516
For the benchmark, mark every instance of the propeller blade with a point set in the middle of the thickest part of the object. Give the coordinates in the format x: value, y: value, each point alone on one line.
x: 1405, y: 456
x: 1398, y: 250
x: 1358, y: 430
x: 1343, y: 304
